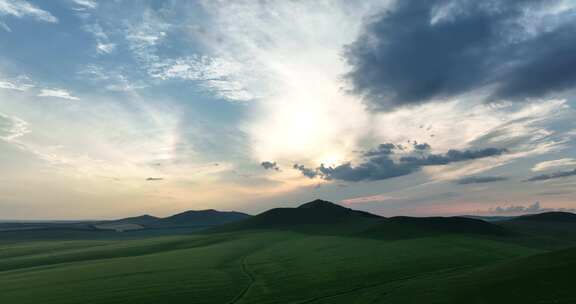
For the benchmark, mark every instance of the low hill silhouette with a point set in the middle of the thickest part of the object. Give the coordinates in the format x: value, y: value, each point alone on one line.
x: 555, y: 216
x: 315, y: 216
x: 191, y: 218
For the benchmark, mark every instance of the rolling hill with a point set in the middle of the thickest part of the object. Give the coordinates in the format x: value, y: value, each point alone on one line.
x: 411, y: 227
x: 557, y: 227
x: 539, y: 278
x: 316, y: 216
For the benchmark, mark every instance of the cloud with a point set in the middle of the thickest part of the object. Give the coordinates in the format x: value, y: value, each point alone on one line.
x: 112, y: 78
x: 518, y: 209
x: 545, y: 165
x: 554, y: 175
x: 383, y: 149
x: 368, y: 199
x: 16, y: 86
x: 480, y: 180
x: 57, y: 93
x: 12, y: 127
x: 214, y: 74
x: 103, y: 44
x: 421, y: 51
x: 380, y: 166
x: 421, y: 147
x: 21, y: 9
x: 310, y: 173
x: 154, y: 179
x: 85, y: 4
x: 270, y: 165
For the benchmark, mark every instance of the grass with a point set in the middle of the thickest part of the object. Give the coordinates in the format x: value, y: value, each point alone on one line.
x: 267, y: 266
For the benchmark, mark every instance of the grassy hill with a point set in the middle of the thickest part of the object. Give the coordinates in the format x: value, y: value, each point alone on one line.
x: 539, y: 278
x: 313, y: 217
x: 556, y: 228
x: 247, y: 267
x: 413, y: 227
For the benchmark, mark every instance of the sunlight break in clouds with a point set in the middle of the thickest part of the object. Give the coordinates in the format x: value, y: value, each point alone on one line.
x: 302, y: 113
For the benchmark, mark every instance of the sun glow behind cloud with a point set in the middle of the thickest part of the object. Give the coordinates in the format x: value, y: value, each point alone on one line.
x: 302, y: 112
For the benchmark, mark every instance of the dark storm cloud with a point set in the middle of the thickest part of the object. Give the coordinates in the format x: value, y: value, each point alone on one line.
x: 268, y: 165
x: 421, y: 50
x: 383, y: 166
x: 555, y: 175
x: 481, y: 180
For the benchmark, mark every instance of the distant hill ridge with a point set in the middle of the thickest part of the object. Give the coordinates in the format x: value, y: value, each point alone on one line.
x: 191, y: 218
x: 408, y: 227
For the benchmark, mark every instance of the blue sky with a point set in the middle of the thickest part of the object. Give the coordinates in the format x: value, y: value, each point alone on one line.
x: 116, y: 108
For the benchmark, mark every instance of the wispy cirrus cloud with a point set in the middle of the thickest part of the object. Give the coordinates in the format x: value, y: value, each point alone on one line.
x: 103, y: 43
x: 550, y: 164
x: 111, y: 78
x: 23, y: 9
x: 480, y: 180
x: 553, y: 175
x: 85, y: 4
x: 19, y: 84
x: 214, y: 74
x: 57, y: 93
x: 12, y: 127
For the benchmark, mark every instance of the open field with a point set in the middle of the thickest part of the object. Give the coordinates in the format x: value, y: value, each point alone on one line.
x: 273, y: 267
x: 317, y: 253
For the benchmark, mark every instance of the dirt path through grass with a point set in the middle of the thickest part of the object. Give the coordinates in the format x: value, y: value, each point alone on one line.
x: 251, y: 281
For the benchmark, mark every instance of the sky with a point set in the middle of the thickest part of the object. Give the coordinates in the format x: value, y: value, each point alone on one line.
x: 119, y: 108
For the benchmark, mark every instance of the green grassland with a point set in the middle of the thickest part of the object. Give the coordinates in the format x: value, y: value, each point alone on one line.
x: 316, y: 253
x: 271, y: 266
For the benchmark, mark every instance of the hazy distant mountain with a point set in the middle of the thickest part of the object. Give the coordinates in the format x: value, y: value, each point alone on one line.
x: 489, y: 218
x: 555, y: 216
x: 208, y: 217
x: 143, y: 220
x: 192, y: 218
